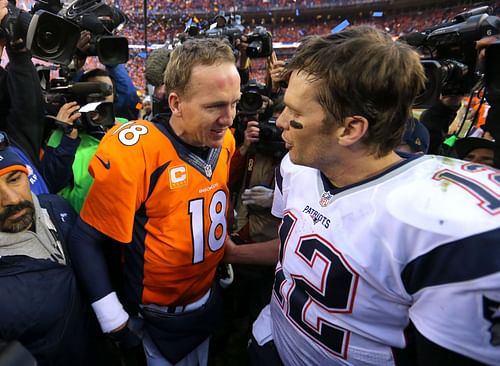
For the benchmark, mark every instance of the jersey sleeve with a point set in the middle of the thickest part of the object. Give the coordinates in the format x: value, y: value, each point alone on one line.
x: 119, y: 170
x: 278, y: 197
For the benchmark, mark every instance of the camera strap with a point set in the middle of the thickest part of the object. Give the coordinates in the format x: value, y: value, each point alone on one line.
x: 250, y: 166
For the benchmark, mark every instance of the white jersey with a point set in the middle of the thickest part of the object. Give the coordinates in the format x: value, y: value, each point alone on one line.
x: 419, y: 242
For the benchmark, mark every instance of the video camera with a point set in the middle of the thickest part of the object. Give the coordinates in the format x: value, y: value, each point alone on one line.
x: 224, y: 29
x: 450, y: 55
x: 90, y: 95
x: 260, y: 43
x: 52, y: 31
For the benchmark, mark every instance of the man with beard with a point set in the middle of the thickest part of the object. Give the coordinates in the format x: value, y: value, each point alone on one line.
x: 41, y: 305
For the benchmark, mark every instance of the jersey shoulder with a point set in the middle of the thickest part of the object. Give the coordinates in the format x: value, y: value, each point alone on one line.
x: 443, y: 195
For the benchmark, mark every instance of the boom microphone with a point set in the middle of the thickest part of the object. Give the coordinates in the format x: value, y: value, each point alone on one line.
x: 85, y: 88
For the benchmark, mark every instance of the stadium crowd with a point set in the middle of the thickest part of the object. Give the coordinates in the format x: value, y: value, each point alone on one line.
x: 162, y: 30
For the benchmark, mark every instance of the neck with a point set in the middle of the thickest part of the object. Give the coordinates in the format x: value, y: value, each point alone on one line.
x: 358, y: 168
x: 180, y: 132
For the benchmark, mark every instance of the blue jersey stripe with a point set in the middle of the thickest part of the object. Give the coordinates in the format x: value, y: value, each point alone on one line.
x: 461, y: 260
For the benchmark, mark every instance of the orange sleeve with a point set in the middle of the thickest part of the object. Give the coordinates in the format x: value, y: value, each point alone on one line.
x: 118, y: 189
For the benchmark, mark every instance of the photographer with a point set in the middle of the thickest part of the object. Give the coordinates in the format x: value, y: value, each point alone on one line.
x: 21, y: 104
x: 70, y: 149
x: 254, y: 193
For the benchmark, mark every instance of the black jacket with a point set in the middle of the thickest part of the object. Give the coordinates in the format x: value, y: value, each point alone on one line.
x: 41, y: 303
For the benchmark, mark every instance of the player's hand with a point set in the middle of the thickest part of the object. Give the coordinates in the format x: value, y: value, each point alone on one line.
x: 259, y: 196
x: 129, y: 334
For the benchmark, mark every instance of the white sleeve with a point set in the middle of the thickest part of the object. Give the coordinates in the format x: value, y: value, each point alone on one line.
x: 278, y: 198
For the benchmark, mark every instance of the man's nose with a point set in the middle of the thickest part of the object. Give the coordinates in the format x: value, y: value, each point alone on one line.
x: 227, y: 116
x: 283, y: 120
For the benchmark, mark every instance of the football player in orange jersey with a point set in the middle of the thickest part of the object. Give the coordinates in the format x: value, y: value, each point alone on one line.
x: 161, y: 189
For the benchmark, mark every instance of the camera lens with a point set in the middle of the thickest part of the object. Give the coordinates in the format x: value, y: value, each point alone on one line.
x: 48, y: 40
x: 254, y: 49
x: 251, y: 101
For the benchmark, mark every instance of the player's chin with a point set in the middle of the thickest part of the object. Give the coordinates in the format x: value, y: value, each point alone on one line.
x: 295, y: 157
x: 215, y: 139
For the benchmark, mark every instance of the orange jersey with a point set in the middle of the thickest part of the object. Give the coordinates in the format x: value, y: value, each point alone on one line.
x: 152, y: 192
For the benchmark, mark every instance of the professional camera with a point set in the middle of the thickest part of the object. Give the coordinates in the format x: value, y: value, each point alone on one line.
x: 252, y: 101
x: 269, y: 132
x: 260, y: 43
x: 222, y: 28
x: 270, y: 142
x: 49, y: 36
x: 450, y: 55
x: 101, y: 20
x: 52, y: 32
x: 255, y: 105
x: 89, y: 95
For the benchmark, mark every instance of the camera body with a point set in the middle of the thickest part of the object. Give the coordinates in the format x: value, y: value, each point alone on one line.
x: 100, y: 20
x: 451, y: 62
x: 51, y: 32
x: 260, y: 43
x: 230, y: 32
x: 252, y: 101
x: 254, y: 105
x: 96, y: 113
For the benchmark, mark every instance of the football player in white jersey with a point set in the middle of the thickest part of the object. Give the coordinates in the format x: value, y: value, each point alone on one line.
x: 372, y: 241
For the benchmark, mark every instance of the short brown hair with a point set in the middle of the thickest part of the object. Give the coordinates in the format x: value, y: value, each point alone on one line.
x: 194, y: 52
x: 362, y: 71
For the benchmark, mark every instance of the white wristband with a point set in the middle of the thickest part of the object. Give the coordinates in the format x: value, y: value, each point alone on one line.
x: 109, y: 312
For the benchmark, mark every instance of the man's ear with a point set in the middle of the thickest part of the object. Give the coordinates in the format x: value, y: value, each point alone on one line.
x: 174, y: 103
x: 353, y: 130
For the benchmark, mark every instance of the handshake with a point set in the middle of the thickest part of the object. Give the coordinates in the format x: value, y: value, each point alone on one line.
x: 259, y: 196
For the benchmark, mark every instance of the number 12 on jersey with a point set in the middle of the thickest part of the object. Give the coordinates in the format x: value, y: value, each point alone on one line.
x: 327, y: 286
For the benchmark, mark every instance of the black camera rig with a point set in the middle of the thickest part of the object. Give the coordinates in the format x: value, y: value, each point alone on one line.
x: 51, y: 31
x: 97, y: 114
x: 255, y: 105
x: 450, y: 55
x: 260, y: 43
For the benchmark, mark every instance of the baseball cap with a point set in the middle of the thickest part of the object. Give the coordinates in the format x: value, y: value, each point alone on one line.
x: 467, y: 144
x: 416, y: 136
x: 9, y: 160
